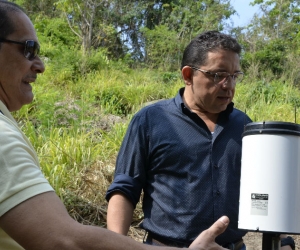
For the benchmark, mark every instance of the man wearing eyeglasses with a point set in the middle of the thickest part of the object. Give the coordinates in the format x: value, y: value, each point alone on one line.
x: 31, y: 214
x: 185, y: 153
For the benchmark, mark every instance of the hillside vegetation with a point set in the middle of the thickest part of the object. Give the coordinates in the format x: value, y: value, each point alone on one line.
x: 77, y: 128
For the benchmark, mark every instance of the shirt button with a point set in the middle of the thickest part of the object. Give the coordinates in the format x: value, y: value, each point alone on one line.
x: 218, y: 192
x: 216, y: 166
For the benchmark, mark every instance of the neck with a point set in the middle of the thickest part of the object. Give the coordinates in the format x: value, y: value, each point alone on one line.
x: 209, y: 119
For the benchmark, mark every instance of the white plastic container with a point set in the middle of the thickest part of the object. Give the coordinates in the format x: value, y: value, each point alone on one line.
x: 270, y: 178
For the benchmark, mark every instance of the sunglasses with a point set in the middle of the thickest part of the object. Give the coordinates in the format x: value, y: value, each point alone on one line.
x: 31, y: 48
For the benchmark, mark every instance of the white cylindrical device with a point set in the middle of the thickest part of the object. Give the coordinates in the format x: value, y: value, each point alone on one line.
x: 270, y: 178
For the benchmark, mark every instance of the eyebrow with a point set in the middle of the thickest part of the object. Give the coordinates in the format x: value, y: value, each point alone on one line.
x: 222, y: 70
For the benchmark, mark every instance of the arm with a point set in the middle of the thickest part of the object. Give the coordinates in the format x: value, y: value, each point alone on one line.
x: 42, y: 222
x: 119, y: 213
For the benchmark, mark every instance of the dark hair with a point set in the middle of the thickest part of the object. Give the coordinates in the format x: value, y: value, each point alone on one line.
x: 195, y: 54
x: 6, y: 23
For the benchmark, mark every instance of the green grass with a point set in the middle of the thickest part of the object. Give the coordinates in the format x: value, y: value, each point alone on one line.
x: 77, y: 128
x: 273, y: 101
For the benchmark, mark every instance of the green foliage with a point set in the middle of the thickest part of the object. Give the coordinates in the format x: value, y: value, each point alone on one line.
x: 148, y: 34
x: 55, y: 32
x: 271, y: 56
x: 41, y: 112
x: 77, y: 128
x: 176, y: 23
x: 163, y: 48
x: 121, y: 92
x: 37, y: 7
x: 170, y: 77
x: 96, y: 60
x: 64, y: 154
x: 66, y: 66
x: 92, y: 23
x: 271, y: 40
x: 262, y: 100
x: 189, y: 18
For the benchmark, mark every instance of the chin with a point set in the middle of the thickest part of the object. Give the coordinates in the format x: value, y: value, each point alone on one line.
x: 223, y: 108
x: 29, y: 96
x: 28, y: 100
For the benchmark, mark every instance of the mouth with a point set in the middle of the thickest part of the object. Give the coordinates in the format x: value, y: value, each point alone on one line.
x: 27, y: 84
x: 224, y: 98
x: 29, y: 80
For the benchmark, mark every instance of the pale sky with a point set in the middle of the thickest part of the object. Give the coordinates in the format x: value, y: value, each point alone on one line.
x: 245, y: 11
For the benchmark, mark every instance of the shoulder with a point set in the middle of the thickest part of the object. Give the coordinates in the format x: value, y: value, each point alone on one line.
x: 15, y: 147
x: 159, y: 104
x: 9, y: 130
x: 154, y: 107
x: 239, y: 116
x: 22, y: 177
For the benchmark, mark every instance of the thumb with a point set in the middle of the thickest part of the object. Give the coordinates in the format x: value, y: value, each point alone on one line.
x: 219, y: 226
x: 206, y: 240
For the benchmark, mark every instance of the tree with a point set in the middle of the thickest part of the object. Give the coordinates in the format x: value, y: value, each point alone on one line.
x: 36, y: 7
x: 177, y: 22
x: 144, y: 29
x: 80, y: 16
x: 271, y: 37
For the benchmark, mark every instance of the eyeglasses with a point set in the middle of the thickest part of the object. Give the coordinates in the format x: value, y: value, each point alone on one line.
x: 31, y: 48
x: 222, y: 77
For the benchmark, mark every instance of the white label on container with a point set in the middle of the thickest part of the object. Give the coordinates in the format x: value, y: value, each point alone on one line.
x: 259, y: 204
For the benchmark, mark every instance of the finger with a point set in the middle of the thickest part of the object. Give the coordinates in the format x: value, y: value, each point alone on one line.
x: 206, y: 240
x: 219, y: 226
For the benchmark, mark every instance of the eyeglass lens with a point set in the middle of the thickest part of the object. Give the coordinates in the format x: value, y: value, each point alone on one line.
x: 223, y: 77
x: 32, y: 49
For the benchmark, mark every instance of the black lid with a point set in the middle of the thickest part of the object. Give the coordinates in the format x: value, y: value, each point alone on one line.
x: 272, y: 127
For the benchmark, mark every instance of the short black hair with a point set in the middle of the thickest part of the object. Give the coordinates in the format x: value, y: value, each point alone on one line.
x: 195, y: 54
x: 6, y: 17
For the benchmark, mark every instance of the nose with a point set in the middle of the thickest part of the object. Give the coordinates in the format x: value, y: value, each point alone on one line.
x: 37, y: 65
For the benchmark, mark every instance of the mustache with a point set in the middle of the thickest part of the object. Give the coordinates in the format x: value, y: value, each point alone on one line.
x: 30, y: 78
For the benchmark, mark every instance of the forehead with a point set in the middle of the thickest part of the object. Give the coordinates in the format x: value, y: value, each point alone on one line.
x: 23, y: 27
x: 222, y: 58
x: 222, y: 54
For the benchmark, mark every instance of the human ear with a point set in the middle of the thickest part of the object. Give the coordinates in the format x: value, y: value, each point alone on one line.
x: 187, y: 73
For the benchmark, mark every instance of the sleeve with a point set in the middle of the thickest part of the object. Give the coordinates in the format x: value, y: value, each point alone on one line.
x: 132, y: 161
x: 21, y: 177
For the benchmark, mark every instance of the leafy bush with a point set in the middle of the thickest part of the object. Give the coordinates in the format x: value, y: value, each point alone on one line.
x: 163, y: 48
x: 271, y: 56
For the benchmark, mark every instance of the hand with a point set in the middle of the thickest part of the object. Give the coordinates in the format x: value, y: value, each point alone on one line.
x: 206, y: 240
x: 282, y: 236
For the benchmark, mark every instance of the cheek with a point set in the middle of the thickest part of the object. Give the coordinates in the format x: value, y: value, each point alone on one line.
x: 233, y: 92
x: 14, y: 61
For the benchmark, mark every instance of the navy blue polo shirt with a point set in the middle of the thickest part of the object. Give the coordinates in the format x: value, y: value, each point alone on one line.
x: 190, y: 177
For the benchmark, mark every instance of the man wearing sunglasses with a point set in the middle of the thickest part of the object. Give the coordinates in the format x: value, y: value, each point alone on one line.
x: 185, y: 153
x: 31, y: 214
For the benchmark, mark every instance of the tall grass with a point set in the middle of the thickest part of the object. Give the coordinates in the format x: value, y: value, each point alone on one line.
x: 276, y: 100
x: 77, y: 128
